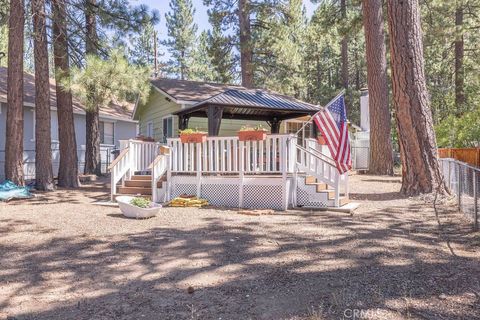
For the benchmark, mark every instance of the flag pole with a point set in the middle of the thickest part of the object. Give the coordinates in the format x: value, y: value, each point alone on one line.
x: 326, y: 106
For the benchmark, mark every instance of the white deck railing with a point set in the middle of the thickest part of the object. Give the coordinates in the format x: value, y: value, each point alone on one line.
x: 229, y: 155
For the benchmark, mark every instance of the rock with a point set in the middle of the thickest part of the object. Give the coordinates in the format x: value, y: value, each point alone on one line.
x: 190, y: 290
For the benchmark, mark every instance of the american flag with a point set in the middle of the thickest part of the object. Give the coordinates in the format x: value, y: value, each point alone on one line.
x: 332, y: 123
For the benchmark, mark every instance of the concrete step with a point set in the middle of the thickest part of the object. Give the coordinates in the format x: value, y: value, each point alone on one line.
x: 135, y: 190
x: 141, y: 177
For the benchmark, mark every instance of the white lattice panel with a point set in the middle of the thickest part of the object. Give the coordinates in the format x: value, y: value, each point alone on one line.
x: 223, y: 195
x: 179, y: 189
x: 263, y: 197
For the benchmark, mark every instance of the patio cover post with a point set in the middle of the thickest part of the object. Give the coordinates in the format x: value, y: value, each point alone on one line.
x: 275, y: 125
x: 214, y: 114
x: 183, y: 122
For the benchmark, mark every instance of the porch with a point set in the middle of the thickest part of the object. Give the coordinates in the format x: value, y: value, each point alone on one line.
x: 274, y: 173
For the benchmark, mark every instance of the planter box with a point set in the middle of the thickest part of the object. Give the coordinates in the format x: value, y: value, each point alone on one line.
x: 132, y: 211
x: 254, y: 135
x: 193, y: 137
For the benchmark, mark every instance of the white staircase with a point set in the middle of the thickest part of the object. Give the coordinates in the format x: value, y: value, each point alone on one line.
x: 318, y: 183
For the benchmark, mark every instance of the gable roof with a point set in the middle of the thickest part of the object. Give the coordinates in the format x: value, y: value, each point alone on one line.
x: 190, y: 91
x: 117, y: 111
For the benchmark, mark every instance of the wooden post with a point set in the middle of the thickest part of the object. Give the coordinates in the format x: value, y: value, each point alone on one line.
x: 241, y: 164
x: 214, y: 114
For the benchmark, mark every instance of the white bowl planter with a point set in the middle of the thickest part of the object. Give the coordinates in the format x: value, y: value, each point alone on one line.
x: 132, y: 211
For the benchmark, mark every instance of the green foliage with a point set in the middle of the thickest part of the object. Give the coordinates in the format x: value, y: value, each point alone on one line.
x: 102, y: 82
x: 141, y: 50
x: 459, y: 132
x: 190, y: 131
x: 182, y: 36
x: 140, y: 202
x: 222, y: 59
x: 251, y: 128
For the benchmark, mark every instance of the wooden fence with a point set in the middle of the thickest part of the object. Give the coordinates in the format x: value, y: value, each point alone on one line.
x: 468, y: 155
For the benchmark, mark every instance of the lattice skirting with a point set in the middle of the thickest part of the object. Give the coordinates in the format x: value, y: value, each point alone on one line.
x: 256, y: 193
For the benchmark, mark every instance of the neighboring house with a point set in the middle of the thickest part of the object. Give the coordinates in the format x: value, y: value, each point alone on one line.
x: 158, y: 118
x: 115, y: 124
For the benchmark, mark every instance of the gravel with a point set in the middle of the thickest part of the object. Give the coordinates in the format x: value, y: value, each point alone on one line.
x: 64, y: 257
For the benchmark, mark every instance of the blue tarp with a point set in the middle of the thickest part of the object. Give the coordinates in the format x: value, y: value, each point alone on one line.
x: 9, y: 190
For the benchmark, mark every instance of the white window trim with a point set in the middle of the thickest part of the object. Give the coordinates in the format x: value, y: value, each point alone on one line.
x: 148, y: 127
x: 114, y: 131
x: 173, y: 125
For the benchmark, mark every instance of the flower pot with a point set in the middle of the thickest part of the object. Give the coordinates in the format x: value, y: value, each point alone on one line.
x: 193, y: 137
x: 321, y: 140
x: 253, y: 135
x: 131, y: 211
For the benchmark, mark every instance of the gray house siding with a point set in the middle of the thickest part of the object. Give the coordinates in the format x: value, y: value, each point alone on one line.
x: 123, y: 130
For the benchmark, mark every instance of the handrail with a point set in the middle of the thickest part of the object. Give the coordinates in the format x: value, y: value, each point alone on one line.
x: 320, y: 156
x: 155, y: 161
x: 117, y: 159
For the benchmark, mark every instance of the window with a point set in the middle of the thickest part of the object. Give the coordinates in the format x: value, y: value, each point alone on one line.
x: 167, y: 128
x: 107, y: 133
x: 150, y: 130
x: 295, y: 126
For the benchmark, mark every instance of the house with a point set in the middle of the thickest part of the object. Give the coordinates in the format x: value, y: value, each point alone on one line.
x: 115, y: 124
x: 277, y: 170
x: 172, y: 100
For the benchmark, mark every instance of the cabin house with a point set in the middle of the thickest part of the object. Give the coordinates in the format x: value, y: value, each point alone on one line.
x: 115, y: 124
x: 277, y: 170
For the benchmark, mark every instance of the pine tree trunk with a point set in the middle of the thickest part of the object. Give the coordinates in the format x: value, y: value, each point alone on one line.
x: 92, y: 147
x: 344, y: 47
x: 14, y: 130
x: 459, y: 55
x: 68, y: 167
x: 246, y: 51
x: 418, y: 148
x: 43, y: 140
x: 381, y: 153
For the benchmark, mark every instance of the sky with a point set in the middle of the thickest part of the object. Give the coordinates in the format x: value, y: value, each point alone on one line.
x: 201, y: 17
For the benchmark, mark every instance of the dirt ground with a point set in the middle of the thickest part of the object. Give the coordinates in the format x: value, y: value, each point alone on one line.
x: 63, y: 257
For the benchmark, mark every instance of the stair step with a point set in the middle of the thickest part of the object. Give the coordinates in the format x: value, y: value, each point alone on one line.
x: 330, y: 193
x: 141, y: 177
x: 138, y: 183
x: 135, y: 190
x: 310, y: 180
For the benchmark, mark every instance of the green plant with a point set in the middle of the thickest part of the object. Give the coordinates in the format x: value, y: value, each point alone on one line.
x: 258, y: 127
x: 190, y: 131
x: 140, y: 202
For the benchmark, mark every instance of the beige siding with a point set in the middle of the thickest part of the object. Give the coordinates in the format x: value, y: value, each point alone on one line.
x: 159, y: 107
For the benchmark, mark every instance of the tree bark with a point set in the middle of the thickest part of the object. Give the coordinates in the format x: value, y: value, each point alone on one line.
x: 420, y: 168
x: 92, y: 147
x: 14, y: 130
x: 43, y: 140
x: 246, y: 51
x: 459, y: 55
x: 344, y: 47
x: 381, y: 153
x: 68, y: 167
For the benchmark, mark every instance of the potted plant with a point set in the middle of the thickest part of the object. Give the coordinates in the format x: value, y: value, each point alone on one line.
x: 137, y: 207
x: 192, y: 136
x: 248, y: 133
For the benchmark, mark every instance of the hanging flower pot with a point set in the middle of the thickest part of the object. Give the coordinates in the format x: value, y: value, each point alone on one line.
x: 252, y: 134
x: 192, y: 136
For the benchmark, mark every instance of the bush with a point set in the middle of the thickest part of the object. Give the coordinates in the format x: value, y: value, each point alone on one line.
x: 140, y: 202
x: 462, y: 132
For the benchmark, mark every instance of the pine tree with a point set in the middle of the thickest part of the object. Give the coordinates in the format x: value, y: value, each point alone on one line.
x: 182, y: 35
x: 202, y: 68
x: 68, y: 166
x: 14, y: 130
x: 220, y: 52
x: 418, y: 149
x: 43, y: 140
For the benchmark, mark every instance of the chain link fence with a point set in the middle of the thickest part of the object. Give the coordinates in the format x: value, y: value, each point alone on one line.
x: 360, y: 150
x: 464, y: 181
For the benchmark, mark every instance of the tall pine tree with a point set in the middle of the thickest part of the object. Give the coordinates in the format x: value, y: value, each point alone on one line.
x: 182, y: 36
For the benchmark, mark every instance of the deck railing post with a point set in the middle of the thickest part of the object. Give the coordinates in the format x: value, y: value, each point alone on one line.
x: 241, y: 164
x: 199, y: 168
x: 475, y: 199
